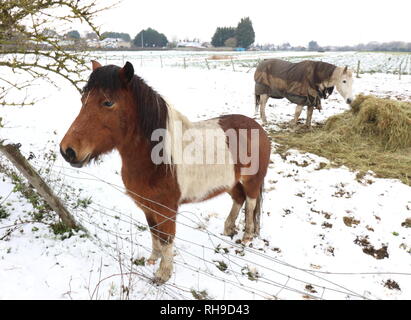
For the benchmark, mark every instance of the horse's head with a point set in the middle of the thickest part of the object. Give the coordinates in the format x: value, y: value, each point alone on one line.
x: 343, y: 82
x: 105, y: 115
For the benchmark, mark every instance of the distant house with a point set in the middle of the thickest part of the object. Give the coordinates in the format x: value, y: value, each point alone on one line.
x: 189, y: 44
x: 114, y: 43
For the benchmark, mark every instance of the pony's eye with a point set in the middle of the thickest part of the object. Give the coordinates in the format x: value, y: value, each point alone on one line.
x: 344, y: 81
x: 108, y: 104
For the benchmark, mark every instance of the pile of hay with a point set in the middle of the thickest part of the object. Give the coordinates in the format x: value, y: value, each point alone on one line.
x: 374, y: 135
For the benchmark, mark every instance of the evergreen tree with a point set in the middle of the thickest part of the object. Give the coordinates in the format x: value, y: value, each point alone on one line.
x: 151, y: 38
x: 221, y: 35
x: 74, y: 34
x: 313, y: 46
x: 245, y: 33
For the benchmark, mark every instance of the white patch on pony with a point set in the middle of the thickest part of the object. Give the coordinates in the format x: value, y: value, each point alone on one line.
x: 202, y: 161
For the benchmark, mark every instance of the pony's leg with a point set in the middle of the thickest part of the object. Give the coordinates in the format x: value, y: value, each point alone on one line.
x: 257, y: 102
x: 263, y: 102
x: 166, y: 231
x: 252, y: 186
x: 166, y: 264
x: 238, y: 196
x: 249, y: 219
x: 297, y: 113
x: 309, y: 116
x: 156, y: 247
x: 163, y: 229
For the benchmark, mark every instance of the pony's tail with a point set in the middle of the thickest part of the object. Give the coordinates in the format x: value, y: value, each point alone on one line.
x: 257, y: 211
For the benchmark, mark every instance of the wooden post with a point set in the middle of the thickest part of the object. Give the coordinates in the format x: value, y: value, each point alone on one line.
x: 185, y: 62
x: 399, y: 71
x: 206, y: 61
x: 358, y: 68
x: 13, y: 154
x: 232, y: 63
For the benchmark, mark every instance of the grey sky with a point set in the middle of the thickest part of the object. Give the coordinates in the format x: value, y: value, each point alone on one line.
x: 295, y: 21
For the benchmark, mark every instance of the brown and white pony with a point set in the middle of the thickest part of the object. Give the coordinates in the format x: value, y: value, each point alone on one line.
x: 120, y: 111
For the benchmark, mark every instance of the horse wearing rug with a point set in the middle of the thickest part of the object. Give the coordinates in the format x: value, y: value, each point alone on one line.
x: 168, y: 160
x: 304, y: 83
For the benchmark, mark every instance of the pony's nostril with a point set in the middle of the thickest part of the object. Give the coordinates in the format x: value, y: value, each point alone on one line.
x: 69, y: 155
x: 349, y: 101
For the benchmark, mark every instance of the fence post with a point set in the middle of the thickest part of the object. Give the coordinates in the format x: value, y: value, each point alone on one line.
x: 399, y: 71
x: 232, y: 63
x: 184, y: 62
x: 206, y: 61
x: 358, y: 68
x: 16, y: 158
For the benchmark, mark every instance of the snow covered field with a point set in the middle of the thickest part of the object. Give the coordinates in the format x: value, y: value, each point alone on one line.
x: 326, y: 234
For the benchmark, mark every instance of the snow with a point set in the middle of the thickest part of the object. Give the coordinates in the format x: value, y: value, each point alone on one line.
x: 304, y: 240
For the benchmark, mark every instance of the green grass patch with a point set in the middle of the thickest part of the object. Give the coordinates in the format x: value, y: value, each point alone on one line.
x: 374, y: 135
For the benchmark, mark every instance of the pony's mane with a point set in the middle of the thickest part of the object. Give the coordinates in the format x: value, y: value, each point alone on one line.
x: 152, y: 108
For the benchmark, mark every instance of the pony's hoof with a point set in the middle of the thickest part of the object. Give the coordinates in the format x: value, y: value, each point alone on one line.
x: 162, y: 275
x: 230, y: 231
x: 247, y: 238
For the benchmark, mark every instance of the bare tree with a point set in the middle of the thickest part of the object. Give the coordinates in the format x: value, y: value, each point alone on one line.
x: 32, y: 46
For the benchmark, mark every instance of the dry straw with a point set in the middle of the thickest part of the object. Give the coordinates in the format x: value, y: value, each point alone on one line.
x: 374, y: 135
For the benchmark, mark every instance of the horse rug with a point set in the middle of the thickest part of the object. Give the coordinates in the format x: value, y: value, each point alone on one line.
x: 300, y: 83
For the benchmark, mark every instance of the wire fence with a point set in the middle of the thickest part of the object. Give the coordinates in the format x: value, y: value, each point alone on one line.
x: 203, y: 256
x: 360, y: 62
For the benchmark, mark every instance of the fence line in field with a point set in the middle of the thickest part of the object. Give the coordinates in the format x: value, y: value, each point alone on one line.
x: 101, y: 210
x: 359, y: 62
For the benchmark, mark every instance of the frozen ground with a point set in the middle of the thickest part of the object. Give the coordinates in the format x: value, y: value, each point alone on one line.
x: 325, y: 233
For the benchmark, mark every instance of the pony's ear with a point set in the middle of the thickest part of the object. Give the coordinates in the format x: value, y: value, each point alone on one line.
x: 95, y: 64
x: 127, y: 72
x: 345, y: 69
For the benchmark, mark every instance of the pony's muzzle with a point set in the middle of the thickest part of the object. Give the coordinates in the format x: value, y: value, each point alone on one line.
x: 349, y: 100
x: 71, y: 157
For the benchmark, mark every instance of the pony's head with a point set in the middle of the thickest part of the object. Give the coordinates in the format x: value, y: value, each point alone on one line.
x: 118, y: 108
x: 343, y: 81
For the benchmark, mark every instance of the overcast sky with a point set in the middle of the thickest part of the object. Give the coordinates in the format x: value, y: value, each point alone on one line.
x: 329, y: 22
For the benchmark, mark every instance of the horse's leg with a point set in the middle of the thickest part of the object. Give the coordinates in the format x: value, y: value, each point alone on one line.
x: 249, y: 219
x: 163, y: 233
x: 252, y: 191
x: 156, y: 247
x: 263, y: 102
x: 238, y: 196
x: 309, y: 116
x: 257, y: 101
x: 298, y: 110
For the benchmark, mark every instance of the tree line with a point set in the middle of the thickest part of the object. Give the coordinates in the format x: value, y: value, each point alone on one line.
x: 241, y: 36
